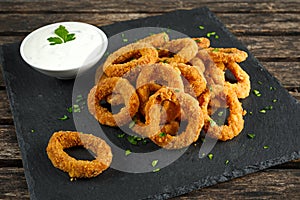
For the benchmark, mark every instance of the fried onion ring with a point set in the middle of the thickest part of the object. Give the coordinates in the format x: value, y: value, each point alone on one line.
x: 227, y: 55
x: 243, y: 86
x: 194, y: 82
x: 128, y: 57
x: 183, y: 50
x: 156, y: 40
x: 194, y: 116
x: 202, y: 42
x: 160, y: 73
x: 107, y: 87
x: 235, y: 121
x: 78, y: 168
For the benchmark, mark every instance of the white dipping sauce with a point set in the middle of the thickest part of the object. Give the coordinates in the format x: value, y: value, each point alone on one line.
x: 89, y: 42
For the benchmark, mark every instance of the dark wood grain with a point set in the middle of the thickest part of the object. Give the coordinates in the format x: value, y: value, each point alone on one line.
x: 238, y: 23
x: 154, y: 6
x: 270, y: 30
x: 267, y: 184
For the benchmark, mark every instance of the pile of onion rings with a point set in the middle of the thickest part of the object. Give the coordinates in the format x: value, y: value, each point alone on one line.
x: 174, y: 81
x: 165, y: 90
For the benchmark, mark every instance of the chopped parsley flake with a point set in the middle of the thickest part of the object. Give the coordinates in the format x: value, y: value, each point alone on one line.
x: 65, y: 117
x: 272, y: 88
x: 210, y: 156
x: 127, y: 152
x: 201, y: 27
x: 251, y: 113
x: 154, y: 163
x: 274, y: 100
x: 79, y: 98
x: 220, y: 113
x: 76, y: 108
x: 134, y: 139
x: 121, y: 135
x: 263, y: 111
x: 162, y: 134
x: 226, y: 162
x: 125, y: 40
x: 266, y: 147
x: 269, y: 107
x: 216, y: 36
x: 156, y: 170
x: 70, y: 109
x: 251, y: 135
x: 215, y: 50
x: 257, y: 93
x: 131, y: 124
x: 32, y: 130
x: 210, y: 34
x: 212, y: 122
x: 259, y: 82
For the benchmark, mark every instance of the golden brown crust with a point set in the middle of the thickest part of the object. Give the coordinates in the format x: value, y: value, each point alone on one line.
x: 128, y: 57
x: 107, y: 87
x: 78, y: 168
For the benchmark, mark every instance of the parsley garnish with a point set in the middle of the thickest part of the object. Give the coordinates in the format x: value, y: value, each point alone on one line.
x: 262, y: 111
x: 257, y: 93
x: 266, y: 147
x: 259, y: 82
x: 162, y: 134
x: 65, y: 117
x: 154, y: 163
x: 201, y: 27
x: 212, y: 122
x: 76, y: 108
x: 63, y: 36
x: 210, y: 156
x: 127, y: 152
x: 251, y: 135
x: 121, y: 135
x: 215, y: 50
x: 70, y: 109
x: 220, y: 113
x: 32, y: 130
x: 131, y: 124
x: 274, y: 100
x: 226, y: 162
x: 156, y: 170
x: 251, y: 113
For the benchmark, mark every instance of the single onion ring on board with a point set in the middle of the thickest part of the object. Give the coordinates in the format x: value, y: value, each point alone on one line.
x: 227, y: 55
x: 194, y: 118
x: 79, y: 168
x: 128, y: 57
x: 184, y: 49
x: 156, y: 40
x: 108, y: 86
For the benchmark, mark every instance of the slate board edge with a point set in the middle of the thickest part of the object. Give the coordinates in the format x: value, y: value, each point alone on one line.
x: 15, y: 115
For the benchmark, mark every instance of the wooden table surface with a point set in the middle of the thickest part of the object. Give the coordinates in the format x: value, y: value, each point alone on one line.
x: 269, y: 29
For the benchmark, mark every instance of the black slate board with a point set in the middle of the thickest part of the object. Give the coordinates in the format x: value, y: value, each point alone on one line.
x: 37, y: 101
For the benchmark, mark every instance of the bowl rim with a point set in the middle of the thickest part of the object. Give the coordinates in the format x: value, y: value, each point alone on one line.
x: 94, y: 59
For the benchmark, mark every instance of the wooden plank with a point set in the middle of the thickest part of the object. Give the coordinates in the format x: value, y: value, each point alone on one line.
x: 276, y: 184
x: 154, y: 6
x: 288, y: 73
x: 268, y: 184
x: 9, y: 149
x: 13, y: 184
x: 6, y: 116
x: 267, y: 48
x: 242, y: 23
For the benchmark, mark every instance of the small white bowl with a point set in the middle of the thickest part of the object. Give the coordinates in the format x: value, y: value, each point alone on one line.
x: 64, y: 60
